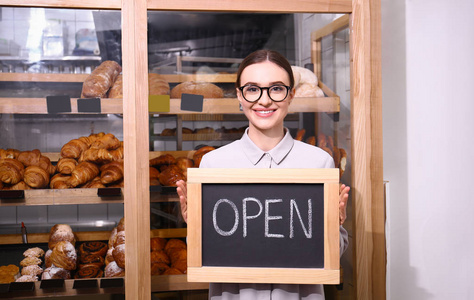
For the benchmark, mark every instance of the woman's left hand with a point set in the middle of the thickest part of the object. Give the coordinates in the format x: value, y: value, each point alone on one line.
x: 343, y: 197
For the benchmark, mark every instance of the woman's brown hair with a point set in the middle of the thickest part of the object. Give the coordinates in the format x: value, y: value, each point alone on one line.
x: 262, y: 56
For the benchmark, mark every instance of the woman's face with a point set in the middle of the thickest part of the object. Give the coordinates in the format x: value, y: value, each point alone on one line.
x: 265, y: 114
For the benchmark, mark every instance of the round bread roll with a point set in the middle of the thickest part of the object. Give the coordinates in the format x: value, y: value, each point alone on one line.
x: 61, y: 232
x: 32, y: 270
x: 119, y: 255
x: 120, y: 238
x: 55, y: 273
x: 157, y: 243
x: 34, y: 252
x: 64, y: 256
x: 159, y: 256
x: 113, y: 236
x: 158, y: 268
x: 206, y: 89
x: 109, y: 257
x: 113, y: 270
x: 94, y: 248
x: 30, y: 261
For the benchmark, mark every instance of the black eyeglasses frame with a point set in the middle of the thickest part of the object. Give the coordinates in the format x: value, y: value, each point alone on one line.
x: 288, y: 88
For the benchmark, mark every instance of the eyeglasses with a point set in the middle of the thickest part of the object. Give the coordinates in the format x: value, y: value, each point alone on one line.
x: 253, y: 93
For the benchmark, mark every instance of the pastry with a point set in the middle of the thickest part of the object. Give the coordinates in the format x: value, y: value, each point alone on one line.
x: 35, y: 158
x: 168, y: 132
x: 55, y: 273
x: 30, y: 261
x: 32, y: 270
x: 64, y: 256
x: 74, y: 148
x: 27, y: 278
x: 120, y: 238
x: 181, y: 265
x: 159, y: 256
x: 9, y: 153
x: 91, y: 260
x: 119, y: 255
x: 58, y: 181
x: 157, y: 85
x: 113, y: 236
x: 170, y: 176
x: 36, y: 177
x: 174, y: 243
x: 108, y: 141
x: 101, y: 80
x: 121, y: 225
x: 176, y: 254
x: 184, y: 163
x: 89, y: 271
x: 172, y: 271
x: 111, y: 172
x: 157, y: 243
x: 11, y: 171
x: 94, y: 248
x: 113, y: 270
x: 93, y: 184
x: 83, y: 173
x: 300, y: 134
x: 154, y: 176
x: 109, y: 257
x: 66, y: 165
x: 164, y: 159
x: 34, y: 252
x: 60, y: 232
x: 206, y: 89
x: 6, y: 278
x: 116, y: 91
x: 205, y: 130
x: 158, y: 268
x: 197, y: 156
x: 47, y: 258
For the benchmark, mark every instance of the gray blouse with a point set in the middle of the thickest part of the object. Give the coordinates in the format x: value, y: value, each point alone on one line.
x: 289, y: 153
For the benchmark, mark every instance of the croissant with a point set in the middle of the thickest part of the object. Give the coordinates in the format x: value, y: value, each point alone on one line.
x: 11, y: 171
x: 164, y: 159
x: 312, y: 140
x: 66, y: 165
x: 36, y: 177
x: 9, y: 153
x: 96, y: 155
x: 19, y: 186
x: 184, y: 163
x: 111, y: 172
x: 197, y: 156
x: 35, y: 158
x: 58, y: 181
x: 119, y: 184
x: 84, y: 172
x: 154, y: 175
x: 170, y: 176
x: 300, y: 134
x: 117, y: 154
x: 91, y: 138
x: 1, y: 185
x: 108, y: 141
x: 74, y: 148
x: 94, y: 184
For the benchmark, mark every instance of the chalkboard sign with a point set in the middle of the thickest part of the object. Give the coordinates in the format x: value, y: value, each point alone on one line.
x: 263, y: 225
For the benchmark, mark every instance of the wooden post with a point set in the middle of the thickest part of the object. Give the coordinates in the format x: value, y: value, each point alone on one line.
x: 367, y: 154
x: 135, y: 131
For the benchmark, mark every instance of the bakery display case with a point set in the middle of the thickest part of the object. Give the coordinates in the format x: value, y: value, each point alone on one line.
x: 186, y: 41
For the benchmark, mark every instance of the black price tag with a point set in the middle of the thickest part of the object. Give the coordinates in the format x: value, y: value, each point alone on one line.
x: 109, y: 192
x: 192, y: 102
x: 85, y: 284
x: 89, y: 105
x: 22, y: 286
x: 155, y: 188
x: 58, y: 104
x: 12, y: 194
x: 52, y: 284
x: 4, y: 287
x: 111, y: 283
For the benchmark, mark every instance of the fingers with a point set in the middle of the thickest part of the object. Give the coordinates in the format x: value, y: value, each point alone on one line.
x: 182, y: 193
x: 343, y: 198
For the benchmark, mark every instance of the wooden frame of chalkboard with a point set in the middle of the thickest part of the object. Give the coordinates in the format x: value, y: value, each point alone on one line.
x: 263, y: 226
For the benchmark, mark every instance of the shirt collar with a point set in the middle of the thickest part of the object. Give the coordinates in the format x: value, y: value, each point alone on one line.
x: 278, y: 153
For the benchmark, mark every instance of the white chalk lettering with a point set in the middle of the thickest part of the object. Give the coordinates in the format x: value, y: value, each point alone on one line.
x: 236, y: 220
x: 245, y: 217
x: 269, y: 218
x: 293, y: 206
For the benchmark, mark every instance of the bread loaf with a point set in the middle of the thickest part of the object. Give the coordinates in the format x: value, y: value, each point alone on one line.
x: 206, y: 89
x: 157, y: 85
x: 116, y: 91
x: 101, y: 80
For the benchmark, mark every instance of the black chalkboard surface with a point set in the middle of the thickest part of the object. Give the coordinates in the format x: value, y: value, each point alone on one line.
x: 263, y: 225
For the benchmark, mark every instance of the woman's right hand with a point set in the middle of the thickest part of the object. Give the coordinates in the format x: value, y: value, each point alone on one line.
x: 183, y: 198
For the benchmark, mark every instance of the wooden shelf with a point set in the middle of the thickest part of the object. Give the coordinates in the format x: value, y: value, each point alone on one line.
x: 104, y: 4
x: 12, y: 239
x: 210, y: 106
x: 40, y: 77
x: 202, y: 137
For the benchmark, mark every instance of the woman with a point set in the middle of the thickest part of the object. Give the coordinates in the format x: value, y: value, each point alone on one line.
x: 265, y: 89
